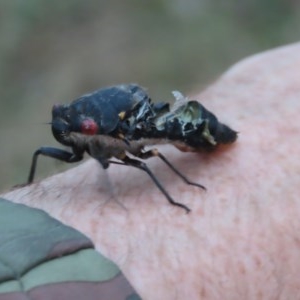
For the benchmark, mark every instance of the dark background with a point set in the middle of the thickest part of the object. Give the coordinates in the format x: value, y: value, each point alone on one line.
x: 54, y: 51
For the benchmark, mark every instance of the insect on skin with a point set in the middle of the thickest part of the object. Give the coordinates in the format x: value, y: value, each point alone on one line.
x: 120, y: 120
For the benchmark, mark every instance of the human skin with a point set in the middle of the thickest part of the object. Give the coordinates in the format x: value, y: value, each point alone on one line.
x: 242, y: 238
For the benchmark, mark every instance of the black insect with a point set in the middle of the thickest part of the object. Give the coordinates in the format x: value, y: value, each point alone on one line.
x: 120, y: 120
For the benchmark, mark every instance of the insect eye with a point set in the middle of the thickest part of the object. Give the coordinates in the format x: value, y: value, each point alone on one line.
x: 59, y: 127
x: 67, y: 117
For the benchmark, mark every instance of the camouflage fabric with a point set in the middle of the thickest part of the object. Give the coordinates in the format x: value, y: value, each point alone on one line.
x: 40, y: 258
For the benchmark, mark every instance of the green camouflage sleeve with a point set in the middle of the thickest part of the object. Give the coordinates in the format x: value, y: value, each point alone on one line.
x: 40, y: 258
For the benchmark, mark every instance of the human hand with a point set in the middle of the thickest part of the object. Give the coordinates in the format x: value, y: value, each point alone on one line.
x: 241, y: 239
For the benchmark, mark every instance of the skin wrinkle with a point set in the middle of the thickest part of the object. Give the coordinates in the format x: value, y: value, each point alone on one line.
x: 241, y: 240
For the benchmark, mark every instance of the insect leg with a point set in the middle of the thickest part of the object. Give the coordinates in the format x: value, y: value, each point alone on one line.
x: 155, y: 152
x: 54, y: 153
x: 142, y: 166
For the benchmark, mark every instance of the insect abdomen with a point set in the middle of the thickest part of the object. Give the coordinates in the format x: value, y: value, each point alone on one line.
x: 195, y: 126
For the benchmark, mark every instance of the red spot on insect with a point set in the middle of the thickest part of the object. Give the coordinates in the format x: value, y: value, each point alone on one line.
x: 89, y: 126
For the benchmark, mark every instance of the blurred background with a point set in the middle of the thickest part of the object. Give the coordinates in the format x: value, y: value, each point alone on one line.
x: 54, y: 51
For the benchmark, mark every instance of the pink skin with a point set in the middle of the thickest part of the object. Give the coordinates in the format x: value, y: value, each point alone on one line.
x: 242, y: 238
